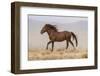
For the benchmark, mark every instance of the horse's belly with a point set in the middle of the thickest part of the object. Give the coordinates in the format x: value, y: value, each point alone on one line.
x: 59, y: 36
x: 60, y: 39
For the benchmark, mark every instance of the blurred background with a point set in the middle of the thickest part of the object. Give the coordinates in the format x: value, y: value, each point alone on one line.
x: 78, y: 25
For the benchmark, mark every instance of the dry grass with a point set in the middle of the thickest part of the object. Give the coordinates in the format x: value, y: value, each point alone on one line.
x: 42, y: 54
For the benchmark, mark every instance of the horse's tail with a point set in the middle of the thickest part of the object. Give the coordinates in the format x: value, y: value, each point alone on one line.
x: 74, y: 37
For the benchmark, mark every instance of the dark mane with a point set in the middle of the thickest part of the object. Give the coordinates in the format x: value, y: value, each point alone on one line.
x: 52, y: 27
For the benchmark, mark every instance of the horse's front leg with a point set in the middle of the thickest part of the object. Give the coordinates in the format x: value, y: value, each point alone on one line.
x: 52, y: 45
x: 48, y: 44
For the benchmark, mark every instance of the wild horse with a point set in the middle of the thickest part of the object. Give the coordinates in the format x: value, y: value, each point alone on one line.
x: 56, y: 36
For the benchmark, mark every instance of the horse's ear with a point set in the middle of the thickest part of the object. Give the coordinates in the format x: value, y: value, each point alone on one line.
x: 46, y: 24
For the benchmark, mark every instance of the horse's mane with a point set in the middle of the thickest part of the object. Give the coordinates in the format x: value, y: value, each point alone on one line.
x: 52, y: 27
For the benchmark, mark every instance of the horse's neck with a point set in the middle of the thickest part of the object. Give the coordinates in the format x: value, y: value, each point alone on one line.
x: 50, y: 32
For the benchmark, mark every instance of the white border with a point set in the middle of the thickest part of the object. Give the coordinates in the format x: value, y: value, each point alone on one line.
x: 25, y: 64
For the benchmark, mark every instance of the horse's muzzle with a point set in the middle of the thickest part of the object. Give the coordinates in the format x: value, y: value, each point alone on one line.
x: 41, y: 32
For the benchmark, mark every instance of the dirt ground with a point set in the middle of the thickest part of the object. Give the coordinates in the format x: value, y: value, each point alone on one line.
x: 43, y: 54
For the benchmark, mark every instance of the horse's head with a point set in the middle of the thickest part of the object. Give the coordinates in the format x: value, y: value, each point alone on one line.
x: 44, y: 29
x: 48, y: 27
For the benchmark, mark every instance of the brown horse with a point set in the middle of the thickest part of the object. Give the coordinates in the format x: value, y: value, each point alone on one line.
x: 56, y: 36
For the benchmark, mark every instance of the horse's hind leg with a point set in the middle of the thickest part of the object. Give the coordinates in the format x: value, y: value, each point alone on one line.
x: 67, y: 44
x: 71, y: 43
x: 48, y: 44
